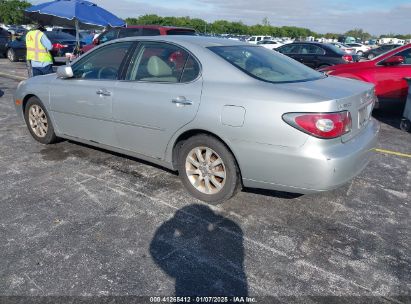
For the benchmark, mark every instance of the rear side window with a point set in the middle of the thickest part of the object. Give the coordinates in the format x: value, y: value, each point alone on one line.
x: 109, y: 35
x: 309, y: 49
x: 129, y: 32
x: 162, y: 62
x: 191, y: 70
x: 266, y: 65
x: 150, y: 32
x: 181, y: 32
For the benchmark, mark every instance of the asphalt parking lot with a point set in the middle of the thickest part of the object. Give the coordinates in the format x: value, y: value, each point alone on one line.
x: 79, y: 221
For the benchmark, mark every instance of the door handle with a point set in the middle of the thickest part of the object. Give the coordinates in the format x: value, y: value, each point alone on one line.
x: 181, y: 101
x: 103, y: 92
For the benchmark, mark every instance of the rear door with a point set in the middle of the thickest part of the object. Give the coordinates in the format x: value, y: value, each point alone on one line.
x: 311, y: 55
x: 160, y: 94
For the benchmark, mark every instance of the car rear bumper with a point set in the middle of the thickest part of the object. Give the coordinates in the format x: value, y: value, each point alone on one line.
x: 310, y: 168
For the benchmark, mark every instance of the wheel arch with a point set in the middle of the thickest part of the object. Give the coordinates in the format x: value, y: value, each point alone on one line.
x: 193, y: 132
x: 26, y: 99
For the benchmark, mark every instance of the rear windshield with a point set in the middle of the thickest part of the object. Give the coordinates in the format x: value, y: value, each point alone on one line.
x: 336, y: 50
x: 181, y: 32
x: 266, y: 65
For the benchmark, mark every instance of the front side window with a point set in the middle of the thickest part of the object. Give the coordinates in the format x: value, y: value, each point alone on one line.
x: 109, y: 35
x: 103, y: 63
x: 161, y: 62
x: 266, y: 65
x: 290, y: 49
x: 406, y: 55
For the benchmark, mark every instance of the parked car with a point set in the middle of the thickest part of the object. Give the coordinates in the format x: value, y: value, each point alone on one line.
x: 261, y: 135
x: 270, y: 44
x: 372, y: 53
x: 256, y: 39
x: 4, y: 40
x: 62, y: 43
x: 316, y: 55
x: 138, y: 30
x: 344, y: 47
x: 359, y: 48
x: 386, y: 72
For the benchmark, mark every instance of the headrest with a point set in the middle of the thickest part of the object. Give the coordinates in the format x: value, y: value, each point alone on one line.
x: 158, y: 68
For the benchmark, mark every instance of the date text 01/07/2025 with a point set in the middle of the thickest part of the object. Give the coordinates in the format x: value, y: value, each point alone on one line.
x: 203, y: 300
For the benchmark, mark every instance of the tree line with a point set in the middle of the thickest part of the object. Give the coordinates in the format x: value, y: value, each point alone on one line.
x: 11, y: 12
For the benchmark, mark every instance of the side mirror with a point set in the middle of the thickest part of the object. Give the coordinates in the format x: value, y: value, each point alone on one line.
x: 394, y: 60
x: 65, y: 72
x: 96, y: 41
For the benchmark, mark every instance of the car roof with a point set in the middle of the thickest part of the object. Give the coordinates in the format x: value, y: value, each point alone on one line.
x: 200, y: 41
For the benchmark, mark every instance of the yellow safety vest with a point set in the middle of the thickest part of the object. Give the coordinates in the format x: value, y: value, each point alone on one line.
x: 35, y: 49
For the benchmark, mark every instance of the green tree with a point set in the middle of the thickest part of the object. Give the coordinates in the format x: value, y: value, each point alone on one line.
x: 11, y: 11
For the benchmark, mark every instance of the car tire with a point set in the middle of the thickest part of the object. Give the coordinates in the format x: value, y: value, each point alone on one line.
x: 208, y: 169
x: 371, y: 56
x: 360, y: 53
x: 38, y: 122
x: 11, y: 55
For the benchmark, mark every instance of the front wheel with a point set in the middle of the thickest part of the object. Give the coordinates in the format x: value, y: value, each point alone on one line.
x: 371, y: 56
x: 207, y: 169
x: 360, y: 53
x: 38, y: 122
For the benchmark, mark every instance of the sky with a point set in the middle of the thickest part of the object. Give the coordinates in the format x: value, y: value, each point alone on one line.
x: 374, y: 16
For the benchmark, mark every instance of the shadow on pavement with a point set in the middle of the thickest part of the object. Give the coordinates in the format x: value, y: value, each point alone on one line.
x: 203, y: 252
x: 1, y: 93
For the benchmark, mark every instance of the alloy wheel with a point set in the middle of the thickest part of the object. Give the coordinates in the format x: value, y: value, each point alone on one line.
x: 38, y: 121
x: 205, y: 170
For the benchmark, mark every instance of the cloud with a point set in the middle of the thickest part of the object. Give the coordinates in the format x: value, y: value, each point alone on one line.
x: 319, y: 15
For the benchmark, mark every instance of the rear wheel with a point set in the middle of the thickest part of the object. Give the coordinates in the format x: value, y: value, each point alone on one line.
x: 11, y: 55
x: 371, y: 56
x: 360, y: 53
x: 207, y: 169
x: 38, y: 121
x: 323, y: 66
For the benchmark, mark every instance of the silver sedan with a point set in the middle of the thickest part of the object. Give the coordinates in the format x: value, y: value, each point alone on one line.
x: 224, y: 114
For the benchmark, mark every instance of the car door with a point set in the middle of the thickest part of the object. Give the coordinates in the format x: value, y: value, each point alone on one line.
x: 82, y: 105
x: 310, y: 55
x: 291, y: 50
x: 160, y: 94
x: 390, y: 79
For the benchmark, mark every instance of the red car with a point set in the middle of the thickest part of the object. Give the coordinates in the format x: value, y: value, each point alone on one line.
x: 137, y: 30
x: 386, y: 72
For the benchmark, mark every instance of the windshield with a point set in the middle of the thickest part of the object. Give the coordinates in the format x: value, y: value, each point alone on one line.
x: 385, y: 51
x: 265, y: 64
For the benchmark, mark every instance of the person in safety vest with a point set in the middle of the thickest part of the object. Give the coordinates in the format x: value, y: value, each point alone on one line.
x: 38, y: 55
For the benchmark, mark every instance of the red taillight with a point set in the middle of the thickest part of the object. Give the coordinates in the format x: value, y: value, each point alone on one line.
x: 59, y: 46
x: 321, y: 125
x: 347, y: 58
